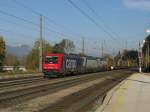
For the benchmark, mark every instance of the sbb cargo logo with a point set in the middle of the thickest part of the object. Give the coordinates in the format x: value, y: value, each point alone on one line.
x: 71, y: 63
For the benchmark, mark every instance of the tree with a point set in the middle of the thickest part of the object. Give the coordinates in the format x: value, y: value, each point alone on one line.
x: 69, y: 46
x: 11, y: 60
x: 146, y: 54
x: 65, y: 46
x: 32, y: 59
x: 47, y: 48
x: 22, y: 60
x: 117, y: 57
x: 57, y: 49
x: 127, y: 56
x: 2, y: 51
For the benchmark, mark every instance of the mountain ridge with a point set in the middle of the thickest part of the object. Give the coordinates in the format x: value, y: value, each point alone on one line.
x: 19, y: 51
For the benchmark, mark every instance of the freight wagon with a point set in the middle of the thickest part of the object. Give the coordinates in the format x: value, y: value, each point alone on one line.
x: 62, y: 64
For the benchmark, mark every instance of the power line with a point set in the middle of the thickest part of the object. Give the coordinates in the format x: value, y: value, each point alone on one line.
x: 59, y: 33
x: 21, y: 34
x: 18, y: 34
x: 19, y: 18
x: 27, y: 21
x: 90, y: 18
x: 35, y: 12
x: 26, y: 7
x: 38, y: 13
x: 83, y: 46
x: 48, y: 19
x: 99, y: 17
x: 17, y: 24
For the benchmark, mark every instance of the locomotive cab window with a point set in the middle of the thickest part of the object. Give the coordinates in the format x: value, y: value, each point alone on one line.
x: 51, y: 59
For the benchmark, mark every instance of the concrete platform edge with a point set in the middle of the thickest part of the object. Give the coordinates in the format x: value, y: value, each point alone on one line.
x: 108, y: 97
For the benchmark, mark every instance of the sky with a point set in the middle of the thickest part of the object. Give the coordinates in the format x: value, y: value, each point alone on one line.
x: 121, y: 23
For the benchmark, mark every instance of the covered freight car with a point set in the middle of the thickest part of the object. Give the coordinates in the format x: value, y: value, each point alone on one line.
x: 71, y: 64
x: 94, y: 64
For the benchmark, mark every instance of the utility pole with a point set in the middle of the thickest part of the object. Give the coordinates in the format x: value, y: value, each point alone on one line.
x: 126, y: 45
x: 140, y: 58
x: 148, y: 54
x: 66, y: 47
x: 102, y: 48
x: 83, y: 49
x: 41, y: 44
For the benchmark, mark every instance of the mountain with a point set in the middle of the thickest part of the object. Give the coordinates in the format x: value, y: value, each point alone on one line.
x: 19, y: 51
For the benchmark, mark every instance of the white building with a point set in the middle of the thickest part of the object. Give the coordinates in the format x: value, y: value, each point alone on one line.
x: 11, y: 68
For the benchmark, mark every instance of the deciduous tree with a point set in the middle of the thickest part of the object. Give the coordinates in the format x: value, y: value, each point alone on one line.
x: 32, y: 59
x: 2, y: 51
x: 65, y: 46
x: 11, y: 60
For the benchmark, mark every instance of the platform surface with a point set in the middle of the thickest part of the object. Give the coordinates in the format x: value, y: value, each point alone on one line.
x: 132, y: 95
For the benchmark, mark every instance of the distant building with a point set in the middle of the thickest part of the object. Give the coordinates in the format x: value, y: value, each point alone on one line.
x: 12, y: 68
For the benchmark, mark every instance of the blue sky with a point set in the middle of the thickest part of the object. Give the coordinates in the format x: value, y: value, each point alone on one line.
x: 129, y: 19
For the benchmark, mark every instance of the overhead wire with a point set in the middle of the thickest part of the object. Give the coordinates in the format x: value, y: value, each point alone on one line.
x: 26, y: 7
x: 18, y: 24
x: 91, y: 19
x: 99, y: 17
x: 35, y: 12
x: 57, y: 32
x: 27, y: 21
x: 21, y: 34
x: 47, y: 18
x: 19, y: 18
x: 30, y: 22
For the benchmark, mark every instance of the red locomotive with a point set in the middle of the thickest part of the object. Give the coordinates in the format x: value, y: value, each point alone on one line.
x: 61, y: 64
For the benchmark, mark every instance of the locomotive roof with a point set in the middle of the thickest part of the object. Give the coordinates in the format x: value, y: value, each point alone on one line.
x: 54, y: 54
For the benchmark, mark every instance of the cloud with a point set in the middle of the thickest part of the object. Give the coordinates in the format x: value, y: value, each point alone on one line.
x: 137, y: 4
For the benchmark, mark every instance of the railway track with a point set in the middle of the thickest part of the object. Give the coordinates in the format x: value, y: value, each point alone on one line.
x: 22, y: 94
x: 20, y: 78
x: 14, y: 82
x: 84, y: 100
x: 27, y: 81
x: 37, y: 90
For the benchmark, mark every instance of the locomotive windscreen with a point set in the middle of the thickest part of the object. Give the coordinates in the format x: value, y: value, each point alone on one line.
x: 51, y: 59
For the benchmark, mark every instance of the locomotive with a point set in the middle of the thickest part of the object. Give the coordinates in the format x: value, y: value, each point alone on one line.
x: 58, y: 64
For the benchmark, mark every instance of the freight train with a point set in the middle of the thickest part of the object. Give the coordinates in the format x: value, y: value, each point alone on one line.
x: 57, y: 64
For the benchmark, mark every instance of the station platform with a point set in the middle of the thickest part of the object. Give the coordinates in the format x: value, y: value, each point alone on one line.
x: 131, y: 95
